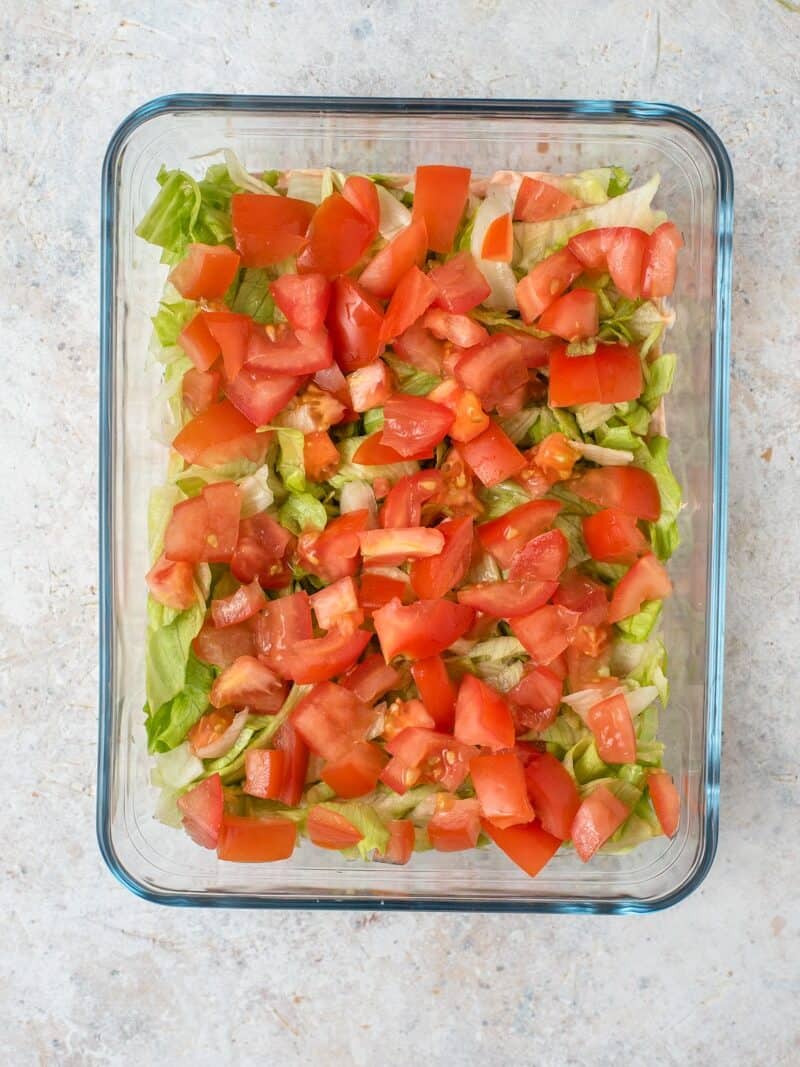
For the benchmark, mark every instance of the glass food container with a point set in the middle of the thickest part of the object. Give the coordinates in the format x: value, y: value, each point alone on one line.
x: 160, y: 863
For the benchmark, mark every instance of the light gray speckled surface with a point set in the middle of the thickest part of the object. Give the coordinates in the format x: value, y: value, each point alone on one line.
x: 88, y: 973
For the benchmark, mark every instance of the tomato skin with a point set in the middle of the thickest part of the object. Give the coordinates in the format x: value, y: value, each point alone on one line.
x: 248, y: 682
x: 612, y: 536
x: 295, y: 751
x: 373, y: 453
x: 264, y: 770
x: 505, y: 536
x: 470, y: 419
x: 414, y: 294
x: 338, y: 236
x: 383, y: 273
x: 198, y: 344
x: 482, y: 716
x: 625, y: 260
x: 437, y: 691
x: 535, y: 350
x: 460, y: 330
x: 538, y: 201
x: 331, y: 719
x: 222, y: 647
x: 440, y: 196
x: 499, y: 782
x: 247, y: 601
x: 321, y: 658
x: 546, y: 281
x: 377, y: 589
x: 659, y: 265
x: 505, y: 600
x: 370, y: 386
x: 528, y: 845
x: 260, y: 395
x: 201, y: 808
x: 401, y: 842
x: 232, y: 333
x: 354, y: 321
x: 420, y: 630
x: 600, y: 814
x: 396, y: 545
x: 535, y: 698
x: 552, y: 792
x: 303, y: 298
x: 205, y: 528
x: 573, y: 316
x: 492, y: 456
x: 356, y: 772
x: 630, y: 489
x: 205, y: 272
x: 542, y: 559
x: 455, y: 825
x: 171, y: 583
x: 200, y: 389
x: 371, y: 679
x: 285, y: 352
x: 646, y: 580
x: 413, y: 424
x: 281, y: 625
x: 334, y: 553
x: 573, y: 379
x: 330, y: 829
x: 584, y: 595
x: 619, y: 372
x: 420, y: 348
x: 493, y: 369
x: 404, y: 501
x: 438, y: 574
x: 545, y: 633
x: 666, y: 801
x: 267, y: 229
x: 460, y: 286
x: 218, y: 435
x: 610, y: 722
x: 362, y: 193
x: 256, y: 840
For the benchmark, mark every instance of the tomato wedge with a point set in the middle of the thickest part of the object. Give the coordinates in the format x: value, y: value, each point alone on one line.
x: 440, y: 196
x: 505, y: 536
x: 599, y: 815
x: 499, y: 782
x: 354, y: 321
x: 610, y: 722
x: 612, y: 536
x: 573, y: 316
x: 362, y: 193
x: 546, y: 281
x: 619, y: 249
x: 320, y: 658
x: 200, y: 389
x: 356, y: 772
x: 470, y: 419
x: 377, y: 588
x: 281, y: 625
x: 584, y: 595
x: 659, y: 265
x: 460, y: 286
x: 303, y: 298
x: 455, y: 825
x: 666, y: 801
x: 440, y: 572
x: 334, y: 553
x: 552, y: 792
x: 220, y: 434
x: 403, y: 715
x: 338, y: 236
x: 198, y: 343
x: 260, y: 394
x: 330, y: 829
x: 492, y: 456
x: 331, y: 719
x: 205, y: 272
x: 267, y: 229
x: 232, y: 333
x: 505, y: 600
x: 535, y: 699
x: 243, y: 839
x: 172, y: 584
x: 248, y: 683
x: 420, y: 630
x: 289, y: 742
x: 406, y: 249
x: 539, y: 201
x: 247, y: 601
x: 646, y: 580
x: 431, y: 756
x: 542, y: 559
x: 264, y: 769
x: 493, y: 369
x: 201, y: 810
x: 414, y: 424
x: 260, y: 552
x: 437, y: 690
x: 286, y: 352
x: 222, y: 647
x: 529, y: 846
x: 370, y: 386
x: 545, y: 633
x: 460, y: 330
x: 483, y: 716
x: 611, y: 376
x: 630, y: 489
x: 415, y: 293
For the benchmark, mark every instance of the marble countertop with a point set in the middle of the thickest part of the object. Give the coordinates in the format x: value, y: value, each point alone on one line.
x: 91, y: 975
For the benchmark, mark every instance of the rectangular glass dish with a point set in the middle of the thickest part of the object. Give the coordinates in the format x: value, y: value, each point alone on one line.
x: 165, y: 866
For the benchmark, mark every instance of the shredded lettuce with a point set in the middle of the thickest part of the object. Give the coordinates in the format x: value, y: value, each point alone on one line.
x: 519, y: 425
x: 502, y: 498
x: 638, y: 627
x: 409, y: 379
x: 187, y: 211
x: 654, y: 457
x: 592, y: 416
x: 588, y: 765
x: 633, y: 415
x: 243, y: 179
x: 257, y: 492
x: 186, y: 679
x: 658, y: 379
x: 252, y: 296
x: 301, y: 512
x: 619, y: 437
x: 170, y: 320
x: 502, y: 320
x: 373, y: 420
x: 291, y: 465
x: 216, y: 766
x: 159, y: 511
x: 390, y: 805
x: 394, y: 215
x: 565, y: 732
x: 618, y: 182
x: 572, y: 528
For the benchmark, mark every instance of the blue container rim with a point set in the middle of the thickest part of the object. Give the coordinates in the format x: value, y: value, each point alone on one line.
x: 639, y: 111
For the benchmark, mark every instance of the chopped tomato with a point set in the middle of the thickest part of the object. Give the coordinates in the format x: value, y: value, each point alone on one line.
x: 599, y: 815
x: 659, y: 265
x: 612, y: 375
x: 205, y: 272
x: 429, y: 756
x: 498, y: 241
x: 215, y: 732
x: 461, y: 330
x: 356, y: 772
x: 260, y: 394
x: 373, y: 453
x: 493, y: 369
x: 247, y: 601
x: 362, y: 193
x: 436, y: 690
x: 370, y: 386
x: 514, y: 401
x: 539, y: 693
x: 220, y: 434
x: 201, y: 810
x: 420, y: 630
x: 401, y: 841
x: 440, y: 196
x: 612, y: 536
x: 200, y: 389
x: 371, y: 679
x: 504, y: 600
x: 315, y: 408
x: 456, y: 496
x: 455, y: 825
x: 535, y: 350
x: 338, y: 236
x: 438, y: 574
x: 610, y: 722
x: 420, y: 348
x: 232, y: 334
x: 289, y: 742
x: 542, y: 559
x: 460, y: 286
x: 377, y: 589
x: 383, y: 273
x: 415, y: 293
x: 354, y: 322
x: 413, y: 424
x: 591, y: 247
x: 619, y: 371
x: 492, y: 456
x: 573, y: 316
x: 482, y: 716
x: 584, y: 595
x: 397, y: 544
x: 335, y: 600
x: 303, y: 298
x: 499, y: 782
x: 222, y: 647
x: 405, y: 714
x: 205, y: 528
x: 245, y: 839
x: 267, y: 229
x: 666, y: 801
x: 334, y: 553
x: 505, y: 536
x: 197, y: 342
x: 555, y: 457
x: 284, y: 352
x: 320, y: 658
x: 529, y: 845
x: 264, y: 769
x: 630, y: 489
x: 646, y: 580
x: 332, y: 385
x: 248, y: 683
x: 545, y: 633
x: 330, y: 719
x: 172, y: 584
x: 544, y: 282
x: 619, y: 249
x: 470, y: 419
x: 281, y: 625
x: 260, y: 552
x: 539, y: 201
x: 404, y: 501
x: 552, y: 792
x: 320, y: 456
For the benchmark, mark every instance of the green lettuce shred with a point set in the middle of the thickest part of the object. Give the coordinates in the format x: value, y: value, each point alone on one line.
x: 301, y: 512
x: 187, y: 680
x: 170, y: 320
x: 501, y: 498
x: 654, y: 457
x: 658, y: 379
x: 411, y: 380
x: 252, y: 295
x: 638, y: 627
x: 188, y: 211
